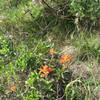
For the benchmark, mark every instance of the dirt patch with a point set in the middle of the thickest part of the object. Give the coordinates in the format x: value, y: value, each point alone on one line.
x: 71, y: 50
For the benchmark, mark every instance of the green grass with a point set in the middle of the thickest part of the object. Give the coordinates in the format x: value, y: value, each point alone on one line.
x: 28, y: 33
x: 22, y: 70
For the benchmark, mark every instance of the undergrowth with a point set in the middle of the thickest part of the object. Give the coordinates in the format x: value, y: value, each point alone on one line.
x: 32, y: 35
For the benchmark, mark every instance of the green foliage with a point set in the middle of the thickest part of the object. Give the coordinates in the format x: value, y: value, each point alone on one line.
x: 91, y: 49
x: 74, y: 92
x: 25, y: 47
x: 32, y: 82
x: 31, y: 59
x: 88, y: 47
x: 41, y: 86
x: 86, y: 11
x: 64, y: 16
x: 6, y: 48
x: 32, y: 95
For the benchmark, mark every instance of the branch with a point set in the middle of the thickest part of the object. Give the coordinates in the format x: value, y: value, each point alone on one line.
x: 47, y: 5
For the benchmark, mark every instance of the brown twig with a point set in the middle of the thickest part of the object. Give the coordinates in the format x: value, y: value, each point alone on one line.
x: 48, y: 5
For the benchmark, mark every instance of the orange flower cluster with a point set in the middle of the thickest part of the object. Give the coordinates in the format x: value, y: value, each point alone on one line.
x: 13, y: 88
x: 45, y: 70
x: 52, y: 51
x: 65, y: 58
x: 64, y: 67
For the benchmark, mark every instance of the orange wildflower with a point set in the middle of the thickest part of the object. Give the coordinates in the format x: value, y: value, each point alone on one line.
x: 45, y: 70
x: 52, y: 51
x: 64, y: 67
x: 65, y: 58
x: 41, y: 70
x: 62, y: 61
x: 45, y: 67
x: 13, y: 88
x: 43, y: 75
x: 50, y: 70
x: 69, y: 60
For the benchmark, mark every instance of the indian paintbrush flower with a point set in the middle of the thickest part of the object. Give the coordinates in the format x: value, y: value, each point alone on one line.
x: 52, y: 51
x: 13, y: 88
x: 45, y: 70
x: 65, y: 58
